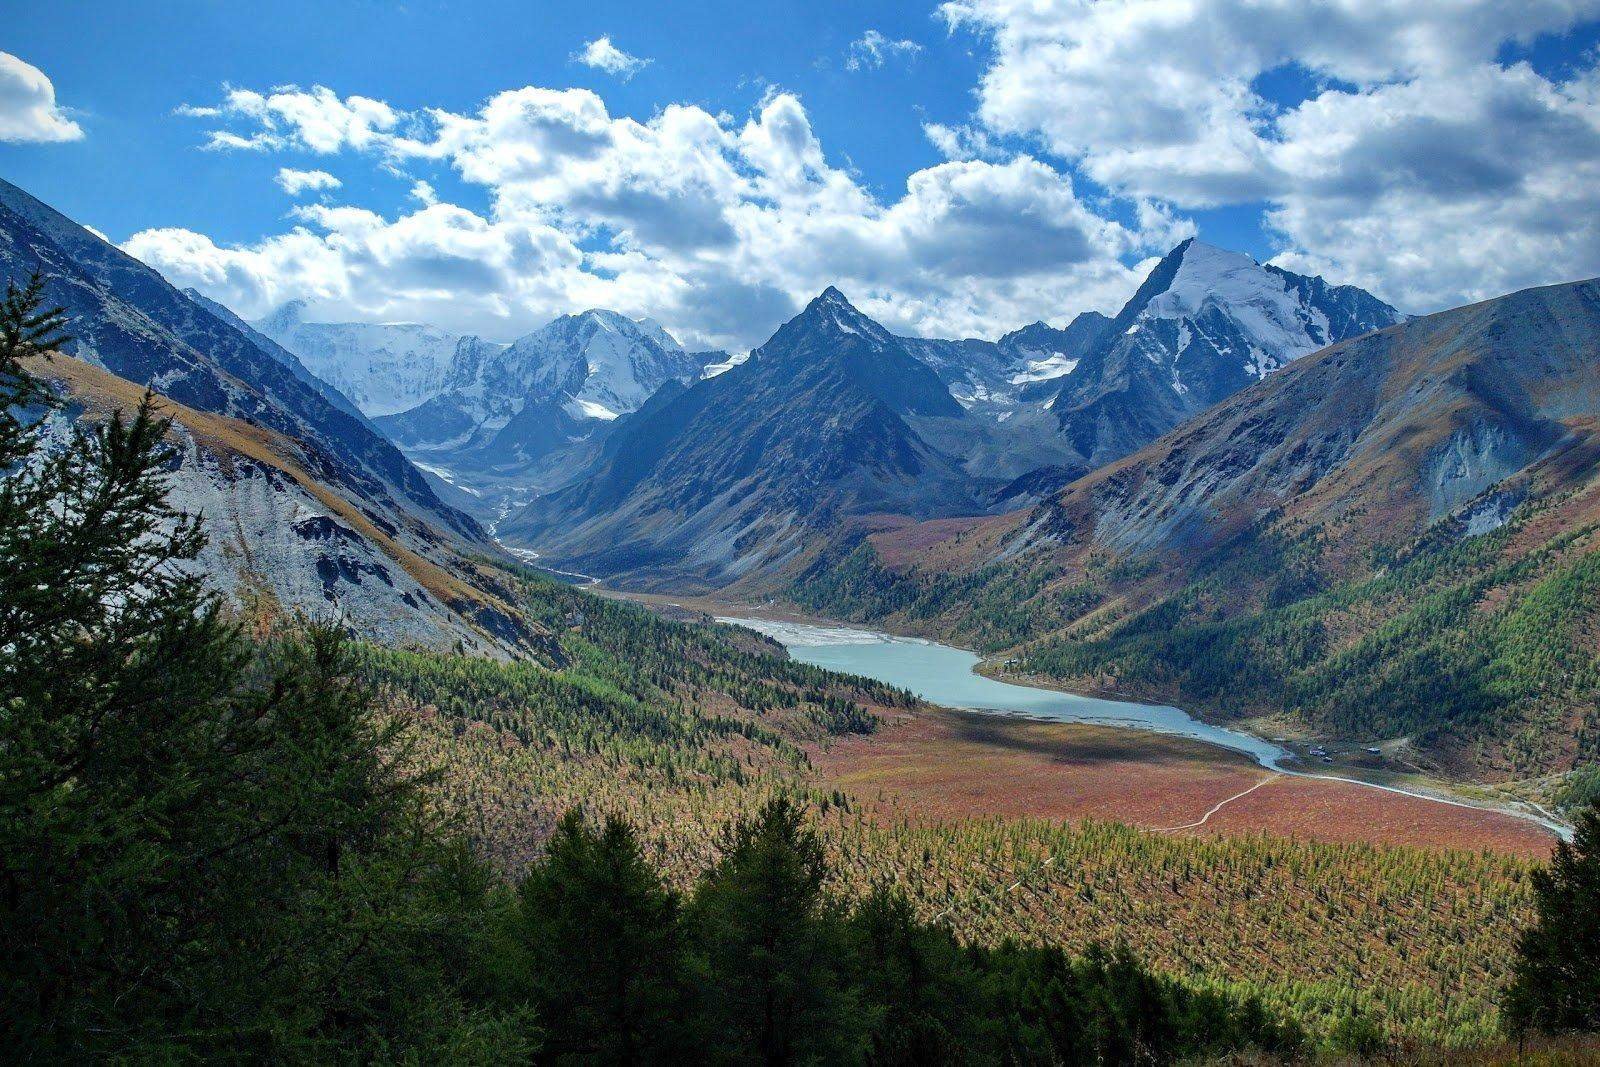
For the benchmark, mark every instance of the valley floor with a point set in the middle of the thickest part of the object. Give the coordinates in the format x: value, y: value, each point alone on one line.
x: 942, y: 764
x: 938, y: 763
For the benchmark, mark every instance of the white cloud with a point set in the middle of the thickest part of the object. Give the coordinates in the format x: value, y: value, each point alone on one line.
x: 316, y: 120
x: 962, y: 142
x: 1415, y: 163
x: 294, y: 182
x: 1454, y: 189
x: 717, y: 226
x: 28, y: 109
x: 872, y: 50
x: 602, y: 55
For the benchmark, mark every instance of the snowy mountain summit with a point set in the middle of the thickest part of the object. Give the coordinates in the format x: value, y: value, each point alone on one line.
x: 1220, y: 305
x: 383, y: 367
x: 598, y: 364
x: 1206, y: 323
x: 506, y: 408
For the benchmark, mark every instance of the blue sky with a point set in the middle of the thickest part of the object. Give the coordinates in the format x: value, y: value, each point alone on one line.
x: 1050, y: 150
x: 125, y: 67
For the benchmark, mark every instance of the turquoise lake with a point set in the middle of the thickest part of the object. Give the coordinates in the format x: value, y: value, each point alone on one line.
x: 944, y: 675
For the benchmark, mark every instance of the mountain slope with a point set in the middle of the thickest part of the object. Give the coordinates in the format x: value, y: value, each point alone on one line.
x: 1392, y: 538
x: 284, y: 542
x: 383, y: 367
x: 737, y: 473
x: 1205, y: 324
x: 278, y: 352
x: 130, y: 320
x: 286, y: 472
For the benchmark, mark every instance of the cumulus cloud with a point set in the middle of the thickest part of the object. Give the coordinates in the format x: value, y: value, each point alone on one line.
x: 873, y: 49
x: 294, y: 182
x: 718, y: 226
x: 28, y: 109
x: 1414, y: 161
x: 1456, y: 189
x: 602, y: 55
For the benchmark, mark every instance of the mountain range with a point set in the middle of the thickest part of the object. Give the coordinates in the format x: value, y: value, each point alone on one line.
x: 1250, y: 491
x: 1391, y: 540
x: 730, y: 475
x: 506, y: 415
x: 1205, y: 324
x: 835, y: 418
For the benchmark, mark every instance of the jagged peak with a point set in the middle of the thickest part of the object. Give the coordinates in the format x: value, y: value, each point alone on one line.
x: 832, y: 310
x: 832, y: 301
x: 611, y: 322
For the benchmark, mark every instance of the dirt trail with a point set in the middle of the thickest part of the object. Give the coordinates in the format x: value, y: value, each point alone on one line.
x: 1216, y: 807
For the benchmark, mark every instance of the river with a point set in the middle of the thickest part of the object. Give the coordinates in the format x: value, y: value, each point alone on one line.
x: 947, y: 676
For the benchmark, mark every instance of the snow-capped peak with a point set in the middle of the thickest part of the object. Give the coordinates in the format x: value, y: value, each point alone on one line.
x: 616, y: 322
x: 1261, y: 316
x: 383, y: 367
x: 598, y: 364
x: 1207, y: 274
x: 834, y: 310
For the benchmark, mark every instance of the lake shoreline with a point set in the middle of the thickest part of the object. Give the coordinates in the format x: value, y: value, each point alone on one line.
x: 1417, y: 787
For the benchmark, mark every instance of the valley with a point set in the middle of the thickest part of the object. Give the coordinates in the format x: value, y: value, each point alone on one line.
x: 974, y: 532
x: 990, y: 747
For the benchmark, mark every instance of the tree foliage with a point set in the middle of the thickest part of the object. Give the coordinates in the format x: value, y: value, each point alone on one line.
x: 1555, y: 984
x: 206, y: 846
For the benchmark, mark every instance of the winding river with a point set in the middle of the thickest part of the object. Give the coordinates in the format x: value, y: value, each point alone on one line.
x: 948, y: 677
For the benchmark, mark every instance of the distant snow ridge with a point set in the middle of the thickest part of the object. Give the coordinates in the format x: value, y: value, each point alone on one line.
x: 383, y: 368
x: 596, y: 365
x: 513, y: 417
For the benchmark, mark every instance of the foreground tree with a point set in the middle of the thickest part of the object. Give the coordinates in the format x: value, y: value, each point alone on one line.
x: 599, y: 948
x: 770, y: 950
x: 927, y: 1003
x: 206, y: 847
x: 1555, y: 982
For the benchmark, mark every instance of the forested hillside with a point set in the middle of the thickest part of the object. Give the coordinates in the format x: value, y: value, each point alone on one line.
x: 1412, y: 941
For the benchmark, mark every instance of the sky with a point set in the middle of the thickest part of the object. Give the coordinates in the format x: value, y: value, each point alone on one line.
x: 958, y: 168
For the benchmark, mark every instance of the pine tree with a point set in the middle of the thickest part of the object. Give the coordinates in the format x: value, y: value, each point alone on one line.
x: 603, y: 947
x: 769, y: 950
x: 924, y: 994
x: 113, y: 661
x: 206, y: 847
x: 1555, y: 982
